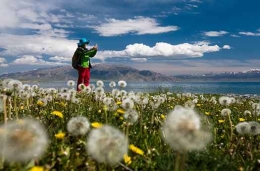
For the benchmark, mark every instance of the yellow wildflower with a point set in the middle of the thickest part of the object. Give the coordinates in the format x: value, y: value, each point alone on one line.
x: 21, y: 107
x: 99, y: 111
x: 221, y: 121
x: 121, y: 118
x: 136, y: 149
x: 96, y: 124
x: 258, y: 119
x: 62, y: 104
x: 241, y: 119
x: 118, y: 103
x: 60, y: 135
x: 121, y: 111
x: 198, y: 105
x: 40, y: 103
x: 37, y: 168
x: 127, y: 159
x: 162, y: 116
x: 57, y: 113
x: 207, y: 113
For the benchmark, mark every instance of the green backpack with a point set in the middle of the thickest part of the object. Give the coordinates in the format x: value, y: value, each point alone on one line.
x: 76, y: 56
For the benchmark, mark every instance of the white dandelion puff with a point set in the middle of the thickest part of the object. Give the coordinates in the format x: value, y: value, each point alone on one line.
x: 225, y: 112
x: 78, y: 126
x: 71, y: 83
x: 100, y: 83
x: 112, y: 84
x: 254, y: 128
x: 23, y: 140
x: 122, y: 84
x: 107, y: 145
x: 182, y: 130
x: 224, y: 100
x: 131, y: 116
x: 127, y: 104
x: 243, y: 128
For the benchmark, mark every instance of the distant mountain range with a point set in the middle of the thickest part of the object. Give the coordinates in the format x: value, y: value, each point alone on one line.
x: 250, y: 75
x: 107, y: 72
x: 98, y: 72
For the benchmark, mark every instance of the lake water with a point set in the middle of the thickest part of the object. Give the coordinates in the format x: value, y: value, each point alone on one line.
x: 180, y: 87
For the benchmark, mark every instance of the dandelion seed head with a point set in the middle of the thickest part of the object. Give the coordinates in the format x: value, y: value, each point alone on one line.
x: 225, y: 112
x: 78, y: 126
x: 81, y: 87
x: 243, y: 128
x: 112, y: 84
x: 100, y: 83
x: 70, y: 83
x: 15, y: 85
x: 127, y: 104
x: 224, y: 100
x: 182, y: 130
x: 122, y: 84
x: 254, y: 128
x: 99, y: 91
x: 131, y: 116
x: 23, y: 141
x: 107, y: 145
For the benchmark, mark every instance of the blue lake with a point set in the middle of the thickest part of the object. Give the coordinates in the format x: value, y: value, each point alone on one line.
x: 180, y: 87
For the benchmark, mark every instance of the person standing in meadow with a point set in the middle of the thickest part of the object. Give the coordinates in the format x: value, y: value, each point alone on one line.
x: 82, y: 56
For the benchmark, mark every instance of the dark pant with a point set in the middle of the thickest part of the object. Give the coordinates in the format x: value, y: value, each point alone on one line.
x: 84, y: 76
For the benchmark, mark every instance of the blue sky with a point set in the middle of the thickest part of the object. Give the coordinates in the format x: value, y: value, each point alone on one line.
x: 167, y: 36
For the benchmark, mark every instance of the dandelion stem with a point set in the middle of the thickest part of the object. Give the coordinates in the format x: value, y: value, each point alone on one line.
x: 125, y: 167
x: 231, y: 127
x: 177, y: 161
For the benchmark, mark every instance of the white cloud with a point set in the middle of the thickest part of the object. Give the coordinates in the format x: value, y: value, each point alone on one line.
x: 162, y: 49
x: 138, y: 59
x: 234, y: 35
x: 18, y: 45
x: 138, y: 25
x: 249, y: 33
x: 60, y: 58
x: 3, y: 62
x: 31, y: 60
x: 226, y: 47
x: 215, y: 33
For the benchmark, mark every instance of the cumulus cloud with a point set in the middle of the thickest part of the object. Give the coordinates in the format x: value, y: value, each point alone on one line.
x: 138, y: 25
x: 18, y: 45
x: 138, y: 59
x: 3, y: 62
x: 226, y: 47
x: 185, y: 50
x: 249, y: 34
x: 215, y: 33
x: 31, y: 60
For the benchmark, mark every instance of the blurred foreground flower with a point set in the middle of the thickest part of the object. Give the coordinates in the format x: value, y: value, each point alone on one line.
x: 107, y: 145
x: 23, y: 140
x: 182, y: 130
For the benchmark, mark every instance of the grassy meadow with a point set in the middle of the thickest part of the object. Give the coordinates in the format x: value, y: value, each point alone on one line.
x: 62, y: 129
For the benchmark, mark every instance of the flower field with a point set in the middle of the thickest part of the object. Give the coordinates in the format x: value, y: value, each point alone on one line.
x: 62, y: 129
